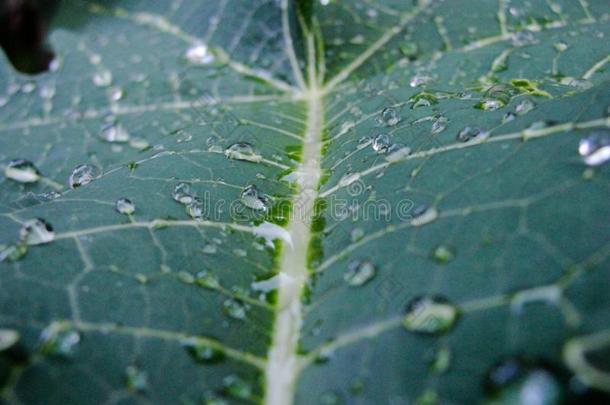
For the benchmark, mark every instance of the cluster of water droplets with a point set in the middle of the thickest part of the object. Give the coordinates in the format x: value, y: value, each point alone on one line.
x: 193, y: 205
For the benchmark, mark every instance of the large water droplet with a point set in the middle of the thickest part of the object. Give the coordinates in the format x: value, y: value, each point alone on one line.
x: 388, y: 117
x: 381, y: 143
x: 397, y: 152
x: 199, y: 54
x: 496, y: 97
x: 439, y: 124
x: 424, y: 214
x: 595, y: 148
x: 183, y: 193
x: 253, y: 198
x: 36, y: 231
x: 22, y: 171
x: 467, y: 134
x: 242, y: 151
x: 525, y: 106
x: 114, y: 133
x: 82, y: 175
x: 8, y: 338
x: 125, y: 206
x: 359, y: 272
x: 201, y: 352
x: 430, y: 315
x: 136, y: 379
x: 423, y: 99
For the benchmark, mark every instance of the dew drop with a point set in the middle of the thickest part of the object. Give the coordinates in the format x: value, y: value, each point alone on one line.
x: 199, y: 54
x: 512, y: 381
x: 524, y: 106
x: 136, y: 379
x: 242, y: 151
x: 183, y: 193
x: 467, y: 134
x: 207, y: 280
x: 356, y: 234
x: 423, y: 99
x: 235, y: 309
x: 237, y: 387
x: 424, y: 214
x: 359, y: 272
x: 36, y: 231
x: 22, y: 171
x: 202, y: 352
x: 125, y: 206
x: 116, y: 93
x: 381, y: 143
x: 523, y: 38
x: 388, y: 117
x: 397, y: 152
x: 420, y: 79
x: 509, y: 116
x: 363, y: 142
x: 114, y: 133
x: 560, y: 46
x: 253, y: 198
x: 442, y: 360
x: 443, y: 254
x: 13, y: 253
x: 58, y: 341
x: 496, y: 97
x: 430, y: 315
x: 595, y: 149
x: 8, y: 338
x: 82, y: 175
x: 194, y: 208
x: 103, y: 78
x: 439, y: 124
x: 581, y: 84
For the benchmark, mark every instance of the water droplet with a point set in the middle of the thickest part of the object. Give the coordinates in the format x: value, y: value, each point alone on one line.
x: 524, y: 106
x: 209, y: 249
x: 423, y: 99
x: 496, y: 97
x: 442, y: 360
x: 82, y: 175
x: 8, y: 338
x: 381, y: 143
x: 13, y: 253
x: 439, y: 124
x: 523, y: 38
x: 202, y: 352
x: 186, y: 277
x: 116, y: 93
x: 509, y: 116
x: 357, y: 234
x: 194, y: 209
x: 512, y: 381
x: 430, y: 315
x: 397, y: 152
x: 58, y: 341
x: 114, y: 133
x: 36, y: 231
x: 242, y: 151
x: 595, y: 149
x: 363, y: 142
x: 443, y: 254
x: 207, y: 280
x: 103, y: 78
x: 359, y: 272
x: 183, y: 193
x: 199, y: 54
x: 125, y: 206
x: 47, y: 91
x: 467, y: 134
x: 388, y: 117
x: 252, y: 198
x: 136, y: 379
x: 235, y: 309
x: 22, y: 171
x: 420, y: 79
x: 236, y: 387
x: 560, y: 46
x: 424, y: 214
x: 581, y: 84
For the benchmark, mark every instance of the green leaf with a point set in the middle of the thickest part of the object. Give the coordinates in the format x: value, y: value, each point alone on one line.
x: 312, y: 202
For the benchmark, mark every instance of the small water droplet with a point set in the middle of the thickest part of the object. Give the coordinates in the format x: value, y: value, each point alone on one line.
x: 496, y: 97
x: 363, y: 142
x: 356, y: 234
x: 199, y: 54
x: 359, y: 272
x: 116, y: 93
x: 136, y: 379
x: 242, y: 151
x: 430, y: 315
x: 595, y: 149
x: 12, y: 253
x: 442, y: 360
x: 36, y: 231
x: 524, y: 106
x: 253, y: 198
x: 102, y: 78
x: 194, y: 209
x: 235, y: 309
x: 114, y: 133
x: 202, y: 352
x: 523, y: 38
x: 423, y: 99
x: 125, y: 206
x: 467, y: 134
x: 397, y: 152
x: 183, y: 193
x: 58, y: 341
x: 424, y: 214
x: 237, y: 387
x: 581, y: 84
x: 420, y: 79
x: 560, y: 46
x: 22, y: 171
x: 509, y: 116
x: 186, y: 277
x: 439, y: 124
x: 8, y: 338
x: 443, y: 254
x: 82, y: 175
x: 388, y: 117
x: 381, y: 143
